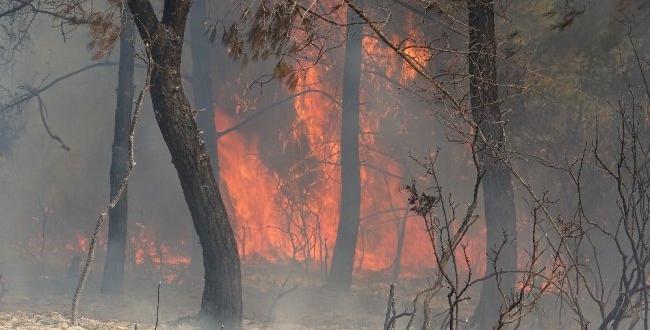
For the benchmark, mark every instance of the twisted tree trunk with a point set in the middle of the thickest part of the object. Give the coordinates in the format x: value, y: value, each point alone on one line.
x: 221, y: 302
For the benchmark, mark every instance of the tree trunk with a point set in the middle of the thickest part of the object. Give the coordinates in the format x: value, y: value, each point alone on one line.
x: 113, y: 279
x: 202, y: 88
x: 340, y: 276
x: 498, y: 194
x: 221, y: 302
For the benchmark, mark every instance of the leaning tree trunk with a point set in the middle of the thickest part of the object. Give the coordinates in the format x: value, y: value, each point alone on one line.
x: 340, y: 276
x: 113, y: 279
x: 221, y: 302
x: 498, y: 194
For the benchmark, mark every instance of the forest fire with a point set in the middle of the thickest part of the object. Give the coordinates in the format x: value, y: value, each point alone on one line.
x: 294, y: 216
x: 324, y: 164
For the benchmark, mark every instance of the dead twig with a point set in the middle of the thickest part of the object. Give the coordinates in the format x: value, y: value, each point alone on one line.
x: 43, y: 112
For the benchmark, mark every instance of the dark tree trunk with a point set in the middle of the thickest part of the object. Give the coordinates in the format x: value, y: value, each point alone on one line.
x: 203, y: 62
x: 340, y: 276
x: 113, y: 279
x: 221, y: 301
x: 498, y: 194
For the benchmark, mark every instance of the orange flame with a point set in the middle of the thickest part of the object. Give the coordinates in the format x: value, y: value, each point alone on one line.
x: 287, y: 217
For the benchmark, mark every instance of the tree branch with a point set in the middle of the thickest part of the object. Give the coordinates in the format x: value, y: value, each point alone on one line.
x: 175, y: 14
x: 271, y: 106
x: 43, y: 112
x: 33, y: 92
x: 14, y: 9
x: 144, y: 17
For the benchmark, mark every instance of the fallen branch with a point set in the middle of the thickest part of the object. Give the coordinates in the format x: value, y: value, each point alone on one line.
x: 43, y: 111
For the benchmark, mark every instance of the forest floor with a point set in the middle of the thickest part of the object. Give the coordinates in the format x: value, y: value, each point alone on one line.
x: 43, y: 301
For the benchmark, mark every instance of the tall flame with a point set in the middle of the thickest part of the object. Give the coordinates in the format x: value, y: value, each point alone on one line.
x: 294, y: 216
